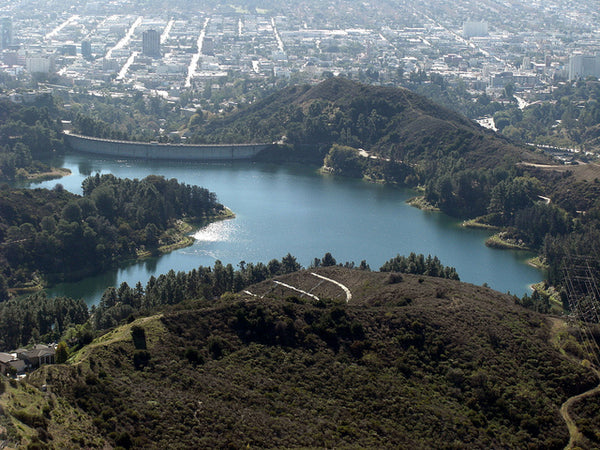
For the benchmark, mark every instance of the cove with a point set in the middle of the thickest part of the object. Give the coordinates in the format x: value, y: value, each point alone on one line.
x: 293, y: 208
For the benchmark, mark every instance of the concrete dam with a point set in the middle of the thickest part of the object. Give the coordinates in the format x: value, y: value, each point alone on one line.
x: 173, y: 152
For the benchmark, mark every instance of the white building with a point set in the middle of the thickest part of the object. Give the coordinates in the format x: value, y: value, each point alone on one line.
x: 40, y: 64
x: 581, y: 66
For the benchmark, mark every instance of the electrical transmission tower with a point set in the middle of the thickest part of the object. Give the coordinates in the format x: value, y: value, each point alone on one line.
x: 581, y: 280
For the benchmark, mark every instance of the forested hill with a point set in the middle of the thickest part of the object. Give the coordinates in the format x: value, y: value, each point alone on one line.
x: 55, y: 235
x: 389, y: 121
x: 409, y: 140
x: 410, y: 361
x: 28, y: 133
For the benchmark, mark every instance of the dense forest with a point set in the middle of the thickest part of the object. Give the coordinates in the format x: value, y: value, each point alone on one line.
x: 411, y: 361
x: 37, y: 318
x: 28, y: 133
x: 51, y: 235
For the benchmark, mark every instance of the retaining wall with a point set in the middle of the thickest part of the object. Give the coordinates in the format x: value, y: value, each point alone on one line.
x: 177, y: 152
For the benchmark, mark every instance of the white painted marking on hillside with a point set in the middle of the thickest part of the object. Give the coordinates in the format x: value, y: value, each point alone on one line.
x: 296, y: 289
x: 346, y: 290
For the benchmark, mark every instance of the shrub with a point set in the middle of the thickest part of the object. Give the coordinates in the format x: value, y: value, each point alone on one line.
x: 62, y: 352
x: 141, y: 358
x: 215, y: 347
x: 139, y: 337
x: 394, y: 277
x: 194, y: 356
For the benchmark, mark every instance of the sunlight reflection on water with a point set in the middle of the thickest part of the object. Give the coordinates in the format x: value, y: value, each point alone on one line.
x: 222, y: 231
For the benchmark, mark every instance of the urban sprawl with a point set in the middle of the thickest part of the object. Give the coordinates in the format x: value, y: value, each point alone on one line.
x: 122, y: 46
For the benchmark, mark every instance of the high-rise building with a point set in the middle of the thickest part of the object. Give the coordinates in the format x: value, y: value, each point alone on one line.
x: 86, y: 49
x: 43, y: 63
x: 582, y: 66
x: 6, y: 32
x: 151, y: 43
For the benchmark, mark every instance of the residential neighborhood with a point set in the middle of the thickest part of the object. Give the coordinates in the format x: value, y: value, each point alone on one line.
x: 99, y: 45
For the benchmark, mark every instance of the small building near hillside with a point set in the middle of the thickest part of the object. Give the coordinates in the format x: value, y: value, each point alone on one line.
x: 10, y: 363
x: 39, y: 355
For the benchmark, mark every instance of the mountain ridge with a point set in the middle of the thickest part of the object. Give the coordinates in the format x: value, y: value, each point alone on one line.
x: 409, y: 361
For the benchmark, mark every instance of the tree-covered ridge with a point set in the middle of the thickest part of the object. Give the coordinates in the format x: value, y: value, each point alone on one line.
x: 28, y: 133
x: 381, y: 133
x: 52, y: 234
x: 37, y: 318
x: 419, y: 265
x: 392, y: 122
x: 411, y: 361
x: 20, y: 321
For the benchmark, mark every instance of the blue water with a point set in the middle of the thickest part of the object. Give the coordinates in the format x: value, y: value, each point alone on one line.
x: 293, y: 208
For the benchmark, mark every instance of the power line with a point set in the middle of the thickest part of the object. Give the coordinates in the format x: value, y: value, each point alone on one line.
x: 583, y: 294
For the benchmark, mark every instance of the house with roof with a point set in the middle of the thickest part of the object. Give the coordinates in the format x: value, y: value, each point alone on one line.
x: 9, y: 363
x: 37, y: 356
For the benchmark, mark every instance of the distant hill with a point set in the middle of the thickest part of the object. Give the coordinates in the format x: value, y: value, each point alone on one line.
x: 384, y: 134
x: 389, y: 121
x: 409, y: 362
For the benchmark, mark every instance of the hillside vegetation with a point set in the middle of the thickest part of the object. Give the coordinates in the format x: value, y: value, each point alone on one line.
x: 27, y: 135
x: 382, y: 133
x: 410, y: 361
x: 55, y: 235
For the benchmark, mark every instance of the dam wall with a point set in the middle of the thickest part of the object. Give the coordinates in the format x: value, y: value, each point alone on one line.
x: 173, y: 152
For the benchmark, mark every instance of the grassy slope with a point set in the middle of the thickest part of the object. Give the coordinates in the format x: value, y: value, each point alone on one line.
x: 425, y: 363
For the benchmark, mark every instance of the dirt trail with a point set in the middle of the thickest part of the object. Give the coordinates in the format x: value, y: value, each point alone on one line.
x: 575, y: 435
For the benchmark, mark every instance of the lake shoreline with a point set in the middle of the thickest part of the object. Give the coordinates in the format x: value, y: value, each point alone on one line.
x: 292, y: 208
x: 179, y: 238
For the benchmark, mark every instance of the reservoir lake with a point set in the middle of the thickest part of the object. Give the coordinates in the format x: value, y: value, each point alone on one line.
x: 295, y: 209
